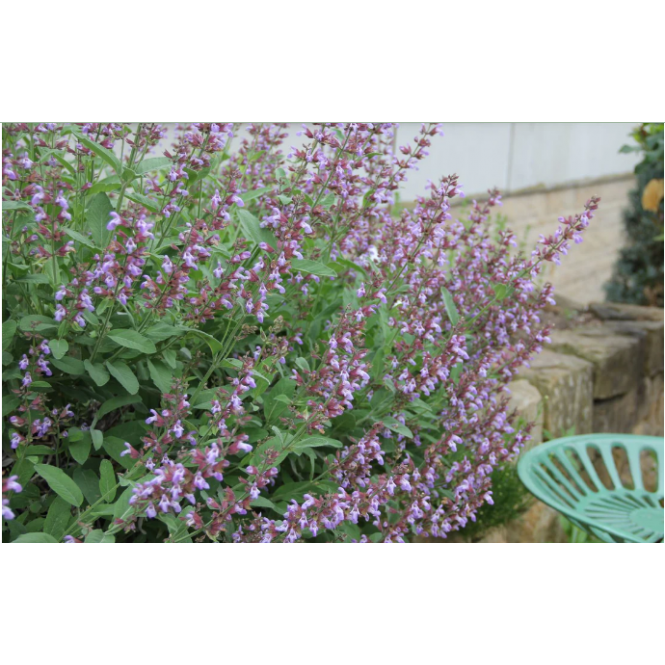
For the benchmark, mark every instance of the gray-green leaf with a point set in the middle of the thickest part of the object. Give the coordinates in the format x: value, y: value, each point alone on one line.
x: 152, y: 164
x: 60, y: 483
x: 58, y: 518
x: 8, y: 331
x: 161, y: 375
x: 132, y: 340
x: 124, y: 376
x: 107, y: 482
x: 97, y: 372
x: 449, y: 304
x: 98, y: 216
x: 59, y: 347
x: 252, y: 230
x: 312, y: 267
x: 35, y: 538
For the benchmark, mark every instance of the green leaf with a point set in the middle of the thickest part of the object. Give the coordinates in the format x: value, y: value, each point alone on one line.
x: 40, y: 384
x: 449, y: 304
x: 80, y: 450
x: 128, y: 174
x: 97, y: 438
x: 302, y: 363
x: 113, y: 404
x: 15, y: 205
x: 107, y: 481
x: 312, y: 267
x: 79, y: 237
x: 52, y: 270
x: 61, y: 158
x: 87, y: 480
x: 456, y: 372
x: 170, y: 358
x: 109, y: 184
x: 315, y: 442
x: 124, y: 376
x: 97, y: 217
x: 273, y: 407
x: 251, y: 227
x: 153, y: 164
x: 38, y: 450
x: 59, y: 347
x: 60, y: 483
x: 8, y: 331
x: 115, y: 447
x: 132, y: 340
x: 215, y: 346
x: 101, y: 151
x: 147, y: 203
x: 161, y: 375
x: 35, y: 538
x: 58, y: 518
x: 502, y: 290
x: 262, y: 502
x: 343, y: 264
x: 39, y: 278
x: 162, y: 331
x: 36, y: 323
x: 97, y: 372
x: 9, y: 404
x: 396, y: 426
x: 75, y: 434
x: 69, y: 365
x: 275, y: 443
x: 254, y: 194
x: 328, y: 200
x: 122, y: 504
x: 98, y: 536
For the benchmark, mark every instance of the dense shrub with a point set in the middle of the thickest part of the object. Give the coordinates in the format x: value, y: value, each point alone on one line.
x: 223, y: 342
x: 638, y: 273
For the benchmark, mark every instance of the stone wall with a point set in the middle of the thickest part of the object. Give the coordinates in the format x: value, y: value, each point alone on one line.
x: 602, y: 375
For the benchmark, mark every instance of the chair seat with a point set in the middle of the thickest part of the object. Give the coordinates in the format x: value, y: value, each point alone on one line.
x: 578, y: 476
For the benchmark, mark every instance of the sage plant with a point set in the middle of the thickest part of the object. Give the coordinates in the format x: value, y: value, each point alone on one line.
x: 216, y: 337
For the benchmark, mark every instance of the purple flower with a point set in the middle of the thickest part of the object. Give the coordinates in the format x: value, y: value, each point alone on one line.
x: 177, y: 429
x: 60, y: 313
x: 115, y: 221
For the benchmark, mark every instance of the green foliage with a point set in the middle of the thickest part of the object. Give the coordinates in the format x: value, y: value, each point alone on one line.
x: 638, y: 273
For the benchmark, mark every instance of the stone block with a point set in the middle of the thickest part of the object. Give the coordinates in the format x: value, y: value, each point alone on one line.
x: 566, y: 384
x: 652, y: 333
x: 527, y: 401
x: 539, y: 524
x: 650, y: 407
x: 621, y: 311
x: 618, y: 414
x: 617, y: 360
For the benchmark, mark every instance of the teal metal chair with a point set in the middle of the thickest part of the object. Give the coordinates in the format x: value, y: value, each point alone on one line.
x: 578, y: 476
